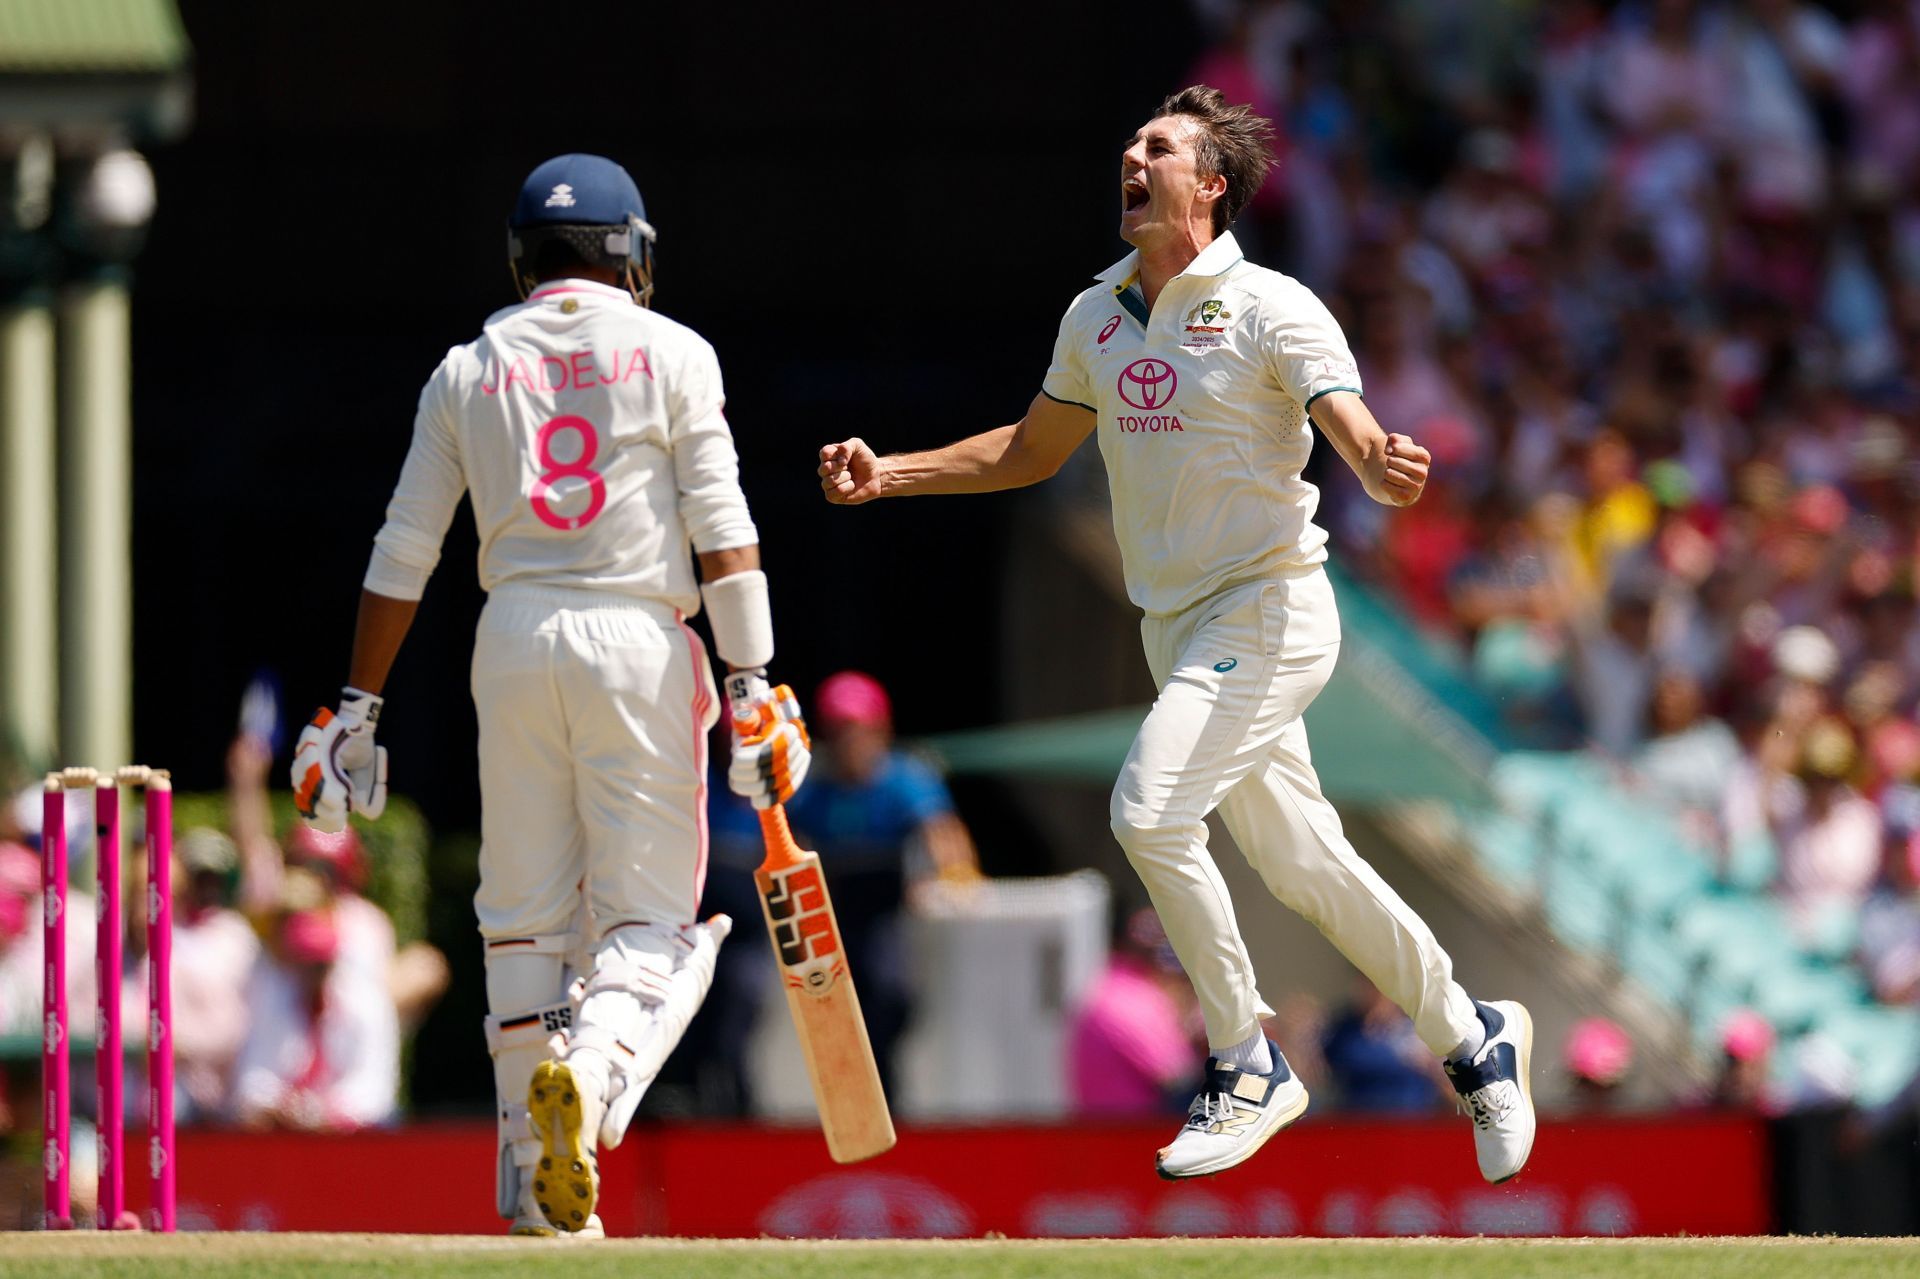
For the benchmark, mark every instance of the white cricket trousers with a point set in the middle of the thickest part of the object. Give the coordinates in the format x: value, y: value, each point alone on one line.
x: 1235, y: 673
x: 594, y: 710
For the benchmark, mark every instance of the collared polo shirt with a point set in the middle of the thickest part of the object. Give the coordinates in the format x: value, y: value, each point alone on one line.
x: 1203, y: 419
x: 589, y: 433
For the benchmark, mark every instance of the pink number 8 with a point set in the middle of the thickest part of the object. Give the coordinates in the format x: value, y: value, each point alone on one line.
x: 579, y: 469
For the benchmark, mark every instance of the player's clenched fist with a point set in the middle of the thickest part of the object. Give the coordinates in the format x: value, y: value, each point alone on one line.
x: 1406, y: 474
x: 771, y: 750
x: 336, y: 767
x: 850, y: 473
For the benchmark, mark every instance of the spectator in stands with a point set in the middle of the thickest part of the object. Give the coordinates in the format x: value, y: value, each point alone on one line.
x: 21, y: 972
x: 339, y: 861
x: 1599, y: 1057
x: 1890, y: 919
x: 1782, y: 63
x: 1508, y: 596
x: 19, y: 913
x: 323, y: 1052
x: 214, y: 953
x: 1131, y: 1048
x: 414, y: 975
x: 1830, y: 847
x: 884, y: 820
x: 1614, y: 667
x: 1666, y: 91
x: 1882, y: 66
x: 1889, y: 740
x: 1746, y: 1064
x: 1619, y: 514
x: 1823, y: 1075
x: 1691, y: 758
x: 1377, y: 1061
x: 250, y: 817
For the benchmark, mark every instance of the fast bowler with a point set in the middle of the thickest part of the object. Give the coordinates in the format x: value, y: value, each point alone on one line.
x: 1204, y: 376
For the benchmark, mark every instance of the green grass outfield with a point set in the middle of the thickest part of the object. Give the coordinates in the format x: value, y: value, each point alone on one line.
x: 261, y: 1256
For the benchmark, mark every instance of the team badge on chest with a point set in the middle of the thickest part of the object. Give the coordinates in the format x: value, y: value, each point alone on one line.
x: 1205, y: 325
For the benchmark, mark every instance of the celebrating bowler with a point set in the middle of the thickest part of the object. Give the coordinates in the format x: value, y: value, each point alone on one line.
x: 1204, y: 376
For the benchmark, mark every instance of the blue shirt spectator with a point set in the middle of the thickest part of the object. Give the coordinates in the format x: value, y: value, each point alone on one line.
x: 1377, y: 1060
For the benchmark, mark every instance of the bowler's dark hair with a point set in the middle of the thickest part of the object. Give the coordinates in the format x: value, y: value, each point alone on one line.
x: 1235, y: 143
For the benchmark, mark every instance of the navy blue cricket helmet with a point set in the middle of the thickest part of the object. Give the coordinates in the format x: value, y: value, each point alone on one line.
x: 591, y: 205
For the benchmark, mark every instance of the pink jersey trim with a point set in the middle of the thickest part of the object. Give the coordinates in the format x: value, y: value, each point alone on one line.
x: 553, y: 293
x: 701, y: 703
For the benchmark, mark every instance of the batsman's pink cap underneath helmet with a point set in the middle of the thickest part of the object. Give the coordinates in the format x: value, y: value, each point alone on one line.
x: 341, y: 852
x: 852, y: 698
x: 309, y: 937
x: 1599, y: 1051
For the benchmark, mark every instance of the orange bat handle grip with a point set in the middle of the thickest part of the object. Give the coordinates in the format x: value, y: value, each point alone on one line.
x: 782, y: 849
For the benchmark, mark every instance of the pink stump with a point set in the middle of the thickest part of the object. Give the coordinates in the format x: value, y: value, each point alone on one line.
x: 110, y: 1060
x: 160, y: 1151
x: 55, y: 1103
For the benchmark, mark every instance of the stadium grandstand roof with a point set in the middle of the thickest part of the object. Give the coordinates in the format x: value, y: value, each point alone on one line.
x: 83, y: 37
x: 93, y: 73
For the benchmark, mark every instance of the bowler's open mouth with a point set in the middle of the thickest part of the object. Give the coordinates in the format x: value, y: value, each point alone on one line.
x: 1133, y: 194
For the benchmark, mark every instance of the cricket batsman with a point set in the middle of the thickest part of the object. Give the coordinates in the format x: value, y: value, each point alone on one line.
x: 588, y: 431
x: 1204, y: 376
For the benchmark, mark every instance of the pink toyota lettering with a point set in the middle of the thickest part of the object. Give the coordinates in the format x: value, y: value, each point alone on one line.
x: 1130, y: 425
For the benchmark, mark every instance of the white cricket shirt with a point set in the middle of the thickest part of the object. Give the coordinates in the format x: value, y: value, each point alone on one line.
x: 1203, y: 419
x: 589, y: 432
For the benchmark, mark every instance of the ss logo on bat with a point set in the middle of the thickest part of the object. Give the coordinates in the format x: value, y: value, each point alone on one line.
x: 803, y: 927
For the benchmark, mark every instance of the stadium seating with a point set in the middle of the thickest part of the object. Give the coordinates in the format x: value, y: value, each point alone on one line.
x: 1614, y: 878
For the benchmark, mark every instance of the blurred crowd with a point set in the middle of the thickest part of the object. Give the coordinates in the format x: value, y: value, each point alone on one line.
x: 290, y: 995
x: 1645, y: 277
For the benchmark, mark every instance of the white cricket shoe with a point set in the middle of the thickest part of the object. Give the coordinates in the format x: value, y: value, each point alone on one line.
x: 1496, y: 1090
x: 1233, y: 1115
x: 564, y: 1106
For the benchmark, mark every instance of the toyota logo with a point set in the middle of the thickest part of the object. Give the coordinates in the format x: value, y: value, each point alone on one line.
x: 1147, y: 384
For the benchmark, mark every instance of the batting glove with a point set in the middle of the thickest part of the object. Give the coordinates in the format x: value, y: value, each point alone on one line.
x: 336, y: 767
x: 771, y: 750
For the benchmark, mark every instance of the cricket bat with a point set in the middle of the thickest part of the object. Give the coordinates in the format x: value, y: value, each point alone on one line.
x: 820, y: 995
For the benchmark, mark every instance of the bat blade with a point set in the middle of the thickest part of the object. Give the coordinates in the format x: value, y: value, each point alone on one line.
x: 825, y: 1008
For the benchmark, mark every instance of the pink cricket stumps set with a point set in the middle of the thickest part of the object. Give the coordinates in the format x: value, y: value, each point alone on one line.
x: 109, y: 1059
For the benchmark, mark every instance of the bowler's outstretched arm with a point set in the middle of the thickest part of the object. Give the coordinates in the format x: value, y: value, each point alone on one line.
x: 1007, y: 457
